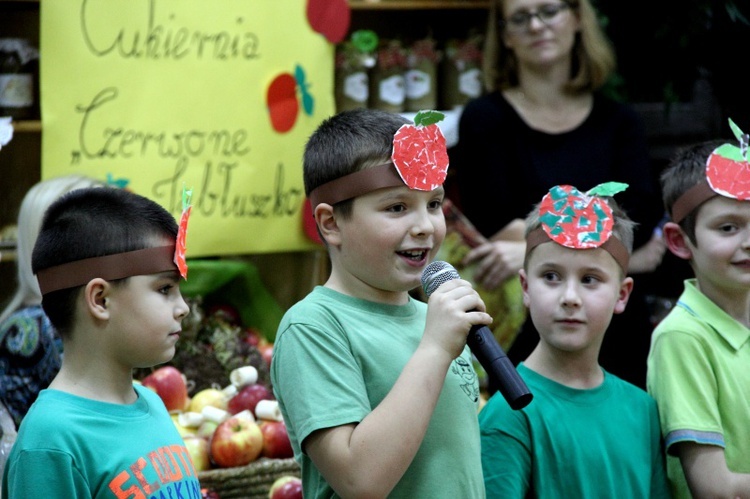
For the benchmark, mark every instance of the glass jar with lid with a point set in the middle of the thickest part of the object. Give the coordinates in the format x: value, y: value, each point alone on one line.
x: 19, y: 74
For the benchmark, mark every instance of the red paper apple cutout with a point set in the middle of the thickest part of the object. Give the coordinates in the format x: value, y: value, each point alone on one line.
x: 330, y: 18
x: 578, y: 220
x: 286, y: 487
x: 170, y: 384
x: 276, y: 443
x: 308, y: 223
x: 236, y: 442
x: 282, y: 102
x: 728, y: 169
x: 248, y: 397
x: 199, y: 451
x: 420, y: 153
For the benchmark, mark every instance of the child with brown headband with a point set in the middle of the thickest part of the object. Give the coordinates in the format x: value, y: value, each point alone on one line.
x: 700, y: 353
x: 108, y: 263
x: 587, y: 433
x: 377, y: 389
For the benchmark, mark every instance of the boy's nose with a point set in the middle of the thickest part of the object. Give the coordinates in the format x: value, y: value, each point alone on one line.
x: 183, y: 309
x: 423, y: 223
x: 570, y: 296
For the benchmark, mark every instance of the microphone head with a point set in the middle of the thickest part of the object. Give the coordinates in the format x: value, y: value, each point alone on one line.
x: 435, y: 274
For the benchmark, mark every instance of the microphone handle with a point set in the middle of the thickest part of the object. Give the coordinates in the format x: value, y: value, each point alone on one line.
x: 498, y: 366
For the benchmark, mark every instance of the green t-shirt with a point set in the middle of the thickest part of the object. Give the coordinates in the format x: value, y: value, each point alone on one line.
x: 698, y: 372
x: 570, y: 443
x: 73, y: 447
x: 336, y: 358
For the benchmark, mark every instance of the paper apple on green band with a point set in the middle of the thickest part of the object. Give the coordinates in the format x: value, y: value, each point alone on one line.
x: 728, y: 169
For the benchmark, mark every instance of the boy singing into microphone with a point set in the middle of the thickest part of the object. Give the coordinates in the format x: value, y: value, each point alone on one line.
x: 587, y: 433
x: 376, y: 388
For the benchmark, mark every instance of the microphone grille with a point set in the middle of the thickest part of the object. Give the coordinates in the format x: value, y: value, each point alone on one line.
x: 437, y: 273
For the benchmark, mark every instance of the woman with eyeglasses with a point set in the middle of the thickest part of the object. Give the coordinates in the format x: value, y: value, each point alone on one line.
x: 545, y: 122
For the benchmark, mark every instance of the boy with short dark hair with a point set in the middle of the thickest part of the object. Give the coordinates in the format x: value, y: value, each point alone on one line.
x: 108, y: 263
x: 587, y: 433
x: 376, y: 388
x: 700, y: 352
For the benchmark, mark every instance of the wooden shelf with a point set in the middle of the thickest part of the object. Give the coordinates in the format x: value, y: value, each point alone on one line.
x: 27, y: 126
x: 417, y: 4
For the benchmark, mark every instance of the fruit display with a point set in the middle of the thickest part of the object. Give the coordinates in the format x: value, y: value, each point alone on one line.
x: 286, y: 487
x: 217, y: 389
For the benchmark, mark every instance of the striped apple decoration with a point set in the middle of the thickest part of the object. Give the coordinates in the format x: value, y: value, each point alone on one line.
x: 181, y: 242
x: 420, y: 153
x: 576, y: 219
x: 728, y: 169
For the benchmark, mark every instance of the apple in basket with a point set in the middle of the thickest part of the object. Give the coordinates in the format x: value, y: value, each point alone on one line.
x: 236, y: 442
x: 248, y: 397
x: 198, y: 449
x: 276, y: 443
x: 170, y: 384
x: 286, y: 487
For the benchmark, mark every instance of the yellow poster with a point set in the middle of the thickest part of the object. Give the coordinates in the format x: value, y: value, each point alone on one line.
x: 218, y: 96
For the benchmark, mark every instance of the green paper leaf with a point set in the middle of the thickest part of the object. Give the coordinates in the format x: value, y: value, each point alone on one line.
x: 365, y: 40
x: 607, y: 189
x: 736, y: 130
x: 427, y: 118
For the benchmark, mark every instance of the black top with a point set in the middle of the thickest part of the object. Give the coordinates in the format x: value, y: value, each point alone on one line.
x: 503, y: 167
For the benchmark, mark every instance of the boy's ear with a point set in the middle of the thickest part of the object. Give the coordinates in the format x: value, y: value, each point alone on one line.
x: 524, y: 287
x: 626, y: 287
x: 95, y: 296
x: 327, y: 224
x: 677, y: 241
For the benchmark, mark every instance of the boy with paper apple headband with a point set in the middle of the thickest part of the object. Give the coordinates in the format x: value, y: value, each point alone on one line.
x: 587, y: 433
x: 108, y: 263
x: 377, y: 389
x: 698, y: 365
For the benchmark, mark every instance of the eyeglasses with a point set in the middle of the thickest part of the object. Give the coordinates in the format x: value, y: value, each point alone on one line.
x: 551, y: 14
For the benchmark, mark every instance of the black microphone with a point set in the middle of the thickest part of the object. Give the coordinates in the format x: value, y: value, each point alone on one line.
x: 483, y: 344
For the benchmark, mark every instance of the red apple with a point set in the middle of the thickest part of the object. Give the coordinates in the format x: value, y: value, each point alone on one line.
x: 170, y: 384
x: 286, y: 487
x: 276, y: 443
x: 199, y: 452
x: 282, y: 102
x: 236, y: 442
x: 248, y: 397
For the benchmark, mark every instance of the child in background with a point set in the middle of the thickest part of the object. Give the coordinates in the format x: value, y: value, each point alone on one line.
x: 587, y: 433
x: 30, y: 349
x: 698, y: 366
x: 376, y: 388
x: 108, y: 272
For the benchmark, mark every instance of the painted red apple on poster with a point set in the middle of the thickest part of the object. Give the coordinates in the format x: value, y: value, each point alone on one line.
x: 330, y: 18
x: 728, y: 169
x: 282, y: 100
x: 575, y: 219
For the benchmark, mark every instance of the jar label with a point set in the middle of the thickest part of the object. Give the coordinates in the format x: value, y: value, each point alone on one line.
x: 391, y: 90
x: 16, y: 90
x: 470, y: 82
x: 418, y: 84
x: 355, y: 86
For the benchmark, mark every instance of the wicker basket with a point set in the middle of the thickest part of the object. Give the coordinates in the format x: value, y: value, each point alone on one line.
x: 248, y: 482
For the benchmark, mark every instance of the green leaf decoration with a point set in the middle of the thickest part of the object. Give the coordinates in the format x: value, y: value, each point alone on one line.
x: 742, y: 138
x: 365, y: 40
x: 607, y: 189
x: 427, y: 118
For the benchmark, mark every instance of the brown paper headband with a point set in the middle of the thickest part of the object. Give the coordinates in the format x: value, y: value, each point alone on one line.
x: 612, y: 245
x: 356, y: 184
x: 691, y: 199
x: 110, y: 267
